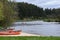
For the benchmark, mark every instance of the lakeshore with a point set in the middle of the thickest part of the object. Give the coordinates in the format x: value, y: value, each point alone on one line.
x: 22, y: 34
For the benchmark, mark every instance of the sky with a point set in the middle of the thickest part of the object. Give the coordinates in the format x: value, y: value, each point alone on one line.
x: 43, y: 3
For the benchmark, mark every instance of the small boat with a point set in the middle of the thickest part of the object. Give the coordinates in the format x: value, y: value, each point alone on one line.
x: 10, y: 32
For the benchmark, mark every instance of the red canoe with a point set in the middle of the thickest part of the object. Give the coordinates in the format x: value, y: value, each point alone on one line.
x: 10, y: 32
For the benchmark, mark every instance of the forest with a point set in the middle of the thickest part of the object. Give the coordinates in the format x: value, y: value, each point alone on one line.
x: 31, y: 11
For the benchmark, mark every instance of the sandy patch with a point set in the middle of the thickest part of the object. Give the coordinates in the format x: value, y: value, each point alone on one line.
x: 22, y: 34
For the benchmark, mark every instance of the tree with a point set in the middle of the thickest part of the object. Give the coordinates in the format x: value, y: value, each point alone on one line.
x: 8, y: 13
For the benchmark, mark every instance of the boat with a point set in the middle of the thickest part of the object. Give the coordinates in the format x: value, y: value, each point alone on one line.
x: 10, y: 32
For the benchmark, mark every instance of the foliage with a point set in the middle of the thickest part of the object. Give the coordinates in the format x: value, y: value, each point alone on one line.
x: 32, y: 11
x: 1, y: 11
x: 7, y: 13
x: 26, y: 10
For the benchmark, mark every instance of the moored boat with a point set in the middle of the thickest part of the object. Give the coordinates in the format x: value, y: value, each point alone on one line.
x: 10, y: 32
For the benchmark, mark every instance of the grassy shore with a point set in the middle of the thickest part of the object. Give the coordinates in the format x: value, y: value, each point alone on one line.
x: 29, y: 38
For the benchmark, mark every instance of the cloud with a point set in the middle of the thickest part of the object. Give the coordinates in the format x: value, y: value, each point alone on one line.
x: 51, y: 4
x: 44, y: 3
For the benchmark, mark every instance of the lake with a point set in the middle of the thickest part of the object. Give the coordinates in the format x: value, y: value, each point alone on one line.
x: 38, y: 27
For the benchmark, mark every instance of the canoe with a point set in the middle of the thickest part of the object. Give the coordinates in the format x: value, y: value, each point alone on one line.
x: 10, y: 32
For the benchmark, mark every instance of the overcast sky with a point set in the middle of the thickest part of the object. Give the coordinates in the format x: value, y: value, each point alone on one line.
x: 43, y: 3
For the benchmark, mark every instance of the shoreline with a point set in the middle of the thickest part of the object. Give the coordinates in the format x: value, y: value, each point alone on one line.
x: 22, y: 34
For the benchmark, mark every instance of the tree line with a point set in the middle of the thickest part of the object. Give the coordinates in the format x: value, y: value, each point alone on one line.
x: 26, y: 10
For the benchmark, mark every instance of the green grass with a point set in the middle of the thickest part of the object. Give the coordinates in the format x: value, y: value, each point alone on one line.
x: 29, y: 38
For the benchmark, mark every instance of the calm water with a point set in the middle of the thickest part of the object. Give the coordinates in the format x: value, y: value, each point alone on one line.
x: 39, y: 27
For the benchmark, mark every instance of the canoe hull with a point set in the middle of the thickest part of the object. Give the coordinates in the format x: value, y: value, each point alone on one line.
x: 10, y: 32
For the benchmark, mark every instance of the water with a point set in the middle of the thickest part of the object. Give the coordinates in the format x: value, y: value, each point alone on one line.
x: 39, y: 27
